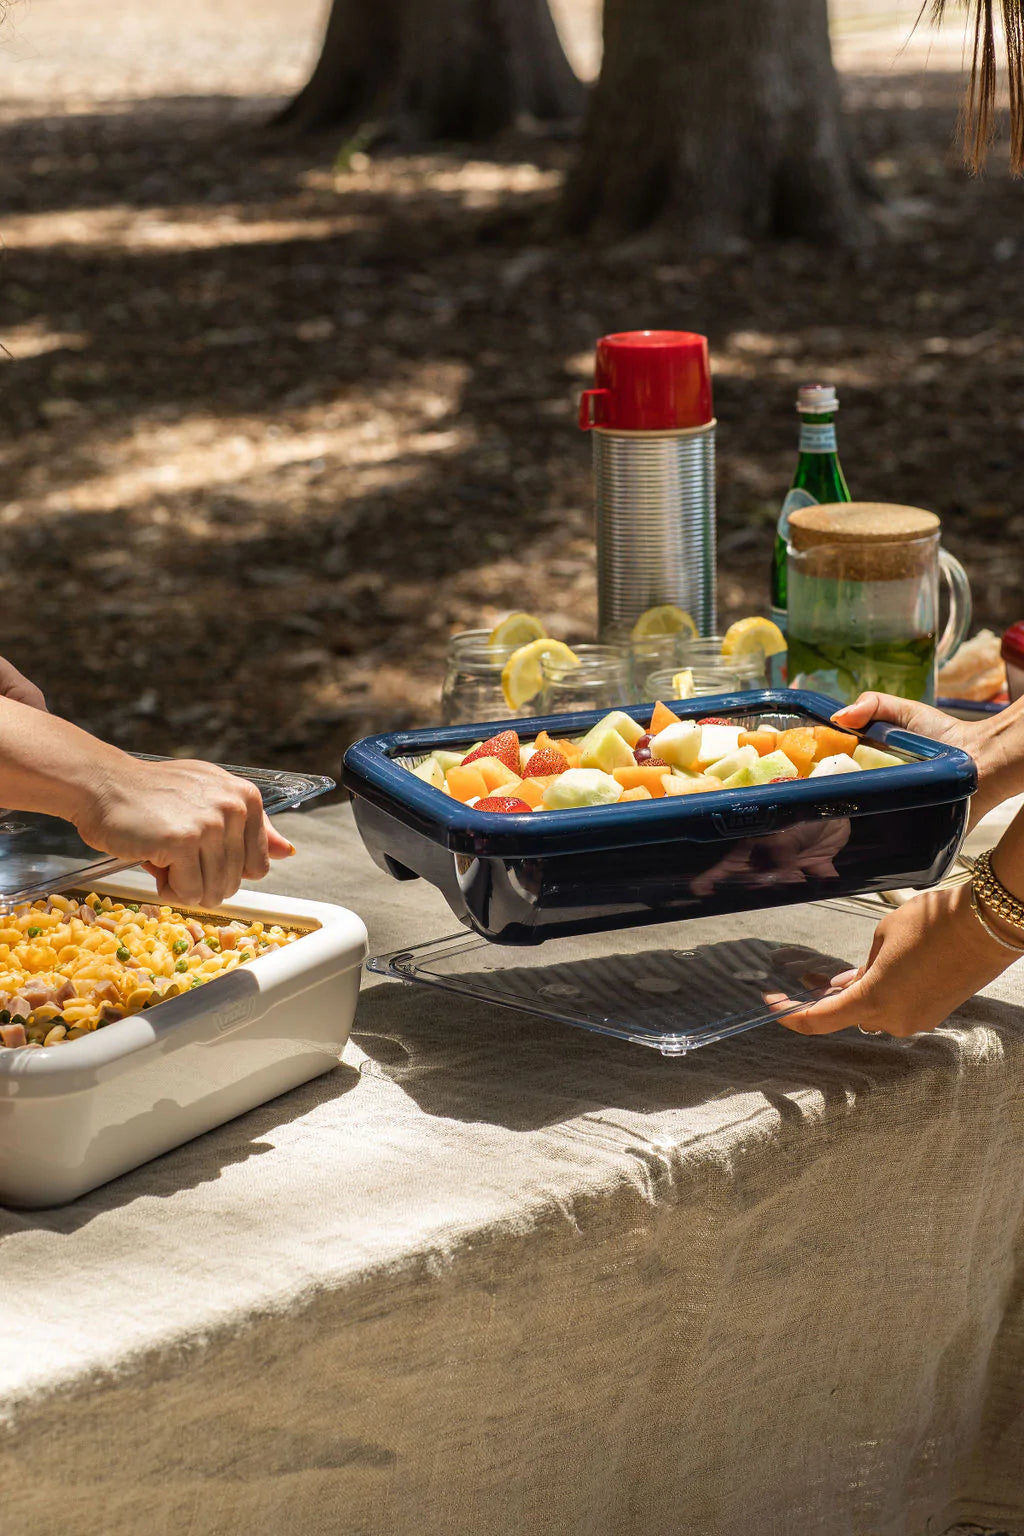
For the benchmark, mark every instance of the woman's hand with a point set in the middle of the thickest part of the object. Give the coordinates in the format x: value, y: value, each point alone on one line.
x: 928, y: 957
x: 996, y: 743
x: 198, y: 830
x: 14, y: 685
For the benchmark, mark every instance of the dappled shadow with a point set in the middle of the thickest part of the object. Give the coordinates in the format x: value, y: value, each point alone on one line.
x: 272, y: 429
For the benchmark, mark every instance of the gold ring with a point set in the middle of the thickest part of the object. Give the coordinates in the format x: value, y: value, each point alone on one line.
x: 870, y: 1031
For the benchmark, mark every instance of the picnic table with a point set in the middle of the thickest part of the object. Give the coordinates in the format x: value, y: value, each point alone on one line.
x: 497, y: 1275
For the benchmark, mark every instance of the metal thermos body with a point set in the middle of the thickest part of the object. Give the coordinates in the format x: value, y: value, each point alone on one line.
x: 655, y: 513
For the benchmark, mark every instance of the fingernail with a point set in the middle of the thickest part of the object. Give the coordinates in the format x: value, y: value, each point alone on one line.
x: 844, y: 978
x: 291, y: 849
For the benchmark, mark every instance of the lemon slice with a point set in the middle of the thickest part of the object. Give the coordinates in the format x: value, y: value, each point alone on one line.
x: 754, y: 634
x: 518, y: 629
x: 666, y: 619
x: 682, y: 684
x: 522, y: 677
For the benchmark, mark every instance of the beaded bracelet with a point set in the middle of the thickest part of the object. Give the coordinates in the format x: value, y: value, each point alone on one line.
x: 986, y: 887
x: 994, y: 894
x: 1015, y: 949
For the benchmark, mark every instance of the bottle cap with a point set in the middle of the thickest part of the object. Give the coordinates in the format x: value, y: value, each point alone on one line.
x: 649, y: 381
x: 817, y: 399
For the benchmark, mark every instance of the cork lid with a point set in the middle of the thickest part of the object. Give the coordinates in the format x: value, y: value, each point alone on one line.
x: 859, y: 522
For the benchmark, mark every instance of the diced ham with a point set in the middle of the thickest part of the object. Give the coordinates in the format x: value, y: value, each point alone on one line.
x: 195, y: 929
x: 13, y: 1034
x: 203, y: 951
x: 86, y: 913
x: 228, y: 937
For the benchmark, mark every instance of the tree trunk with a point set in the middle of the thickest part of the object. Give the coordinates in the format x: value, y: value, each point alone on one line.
x: 437, y: 69
x: 720, y: 118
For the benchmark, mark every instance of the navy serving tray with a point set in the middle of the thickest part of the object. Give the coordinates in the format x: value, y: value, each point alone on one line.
x: 521, y: 879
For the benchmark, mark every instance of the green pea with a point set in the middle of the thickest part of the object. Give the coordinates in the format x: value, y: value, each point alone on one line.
x: 131, y: 906
x: 214, y: 943
x: 180, y: 946
x: 123, y: 953
x: 181, y: 966
x: 34, y: 933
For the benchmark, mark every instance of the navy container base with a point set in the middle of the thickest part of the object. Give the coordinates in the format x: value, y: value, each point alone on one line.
x: 520, y: 879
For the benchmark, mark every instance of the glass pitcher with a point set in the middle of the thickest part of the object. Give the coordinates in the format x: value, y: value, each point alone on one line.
x: 863, y: 587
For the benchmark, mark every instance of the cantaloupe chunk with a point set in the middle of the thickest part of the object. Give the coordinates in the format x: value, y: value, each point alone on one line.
x: 570, y: 751
x: 496, y: 773
x: 641, y: 792
x: 832, y: 743
x: 467, y: 783
x: 532, y: 790
x: 763, y: 742
x: 661, y: 717
x: 651, y: 779
x: 799, y: 745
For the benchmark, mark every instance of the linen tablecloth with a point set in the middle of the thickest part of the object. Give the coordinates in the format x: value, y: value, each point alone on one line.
x: 496, y: 1275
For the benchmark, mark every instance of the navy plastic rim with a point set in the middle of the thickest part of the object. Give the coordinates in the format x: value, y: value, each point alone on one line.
x: 943, y: 775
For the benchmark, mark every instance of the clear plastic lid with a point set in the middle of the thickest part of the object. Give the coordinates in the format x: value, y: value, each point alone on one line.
x: 673, y: 987
x: 41, y: 854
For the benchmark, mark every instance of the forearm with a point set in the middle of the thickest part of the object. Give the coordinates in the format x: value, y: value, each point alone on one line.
x: 49, y: 765
x: 997, y: 747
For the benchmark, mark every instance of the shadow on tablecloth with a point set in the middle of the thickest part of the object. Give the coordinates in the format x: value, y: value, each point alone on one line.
x: 197, y: 1162
x: 458, y: 1058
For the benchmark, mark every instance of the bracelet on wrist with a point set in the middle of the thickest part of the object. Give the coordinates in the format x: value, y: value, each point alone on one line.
x: 988, y: 890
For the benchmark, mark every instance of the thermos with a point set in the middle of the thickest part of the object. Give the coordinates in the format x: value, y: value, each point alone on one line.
x: 653, y: 430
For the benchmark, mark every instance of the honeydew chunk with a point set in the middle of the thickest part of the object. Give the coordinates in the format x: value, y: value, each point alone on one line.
x: 430, y: 772
x: 447, y: 760
x: 577, y: 787
x: 725, y: 767
x: 743, y: 778
x: 619, y: 721
x: 606, y: 750
x: 873, y: 757
x: 688, y: 783
x: 774, y: 765
x: 840, y: 762
x: 678, y: 745
x: 717, y: 741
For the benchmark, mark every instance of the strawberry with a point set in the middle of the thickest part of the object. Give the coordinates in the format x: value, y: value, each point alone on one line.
x: 504, y: 746
x: 785, y: 779
x: 654, y: 762
x: 506, y: 804
x: 544, y: 762
x: 715, y: 720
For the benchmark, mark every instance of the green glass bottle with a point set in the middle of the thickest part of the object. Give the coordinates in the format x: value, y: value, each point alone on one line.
x: 818, y: 479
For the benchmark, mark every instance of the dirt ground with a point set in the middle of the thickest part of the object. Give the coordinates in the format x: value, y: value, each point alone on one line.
x: 277, y: 419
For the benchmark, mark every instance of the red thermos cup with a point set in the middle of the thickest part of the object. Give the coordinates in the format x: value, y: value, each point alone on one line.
x: 653, y: 428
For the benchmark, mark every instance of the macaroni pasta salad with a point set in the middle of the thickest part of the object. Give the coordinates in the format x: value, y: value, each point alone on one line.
x: 70, y: 965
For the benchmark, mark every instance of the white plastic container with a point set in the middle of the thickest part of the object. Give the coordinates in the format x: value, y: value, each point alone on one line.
x: 73, y: 1116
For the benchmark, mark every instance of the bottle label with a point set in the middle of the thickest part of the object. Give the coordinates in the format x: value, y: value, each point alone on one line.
x: 817, y: 438
x: 795, y: 499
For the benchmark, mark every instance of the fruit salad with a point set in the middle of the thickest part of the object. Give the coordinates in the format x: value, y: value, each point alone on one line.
x: 619, y: 762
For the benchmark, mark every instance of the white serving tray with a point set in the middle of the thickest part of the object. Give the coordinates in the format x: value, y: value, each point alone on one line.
x: 73, y: 1116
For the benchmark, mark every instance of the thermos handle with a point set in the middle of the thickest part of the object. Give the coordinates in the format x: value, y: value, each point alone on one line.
x: 591, y: 402
x: 960, y: 607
